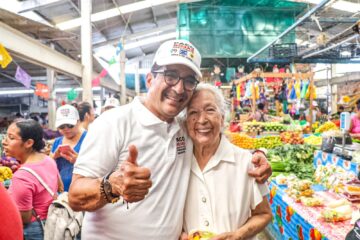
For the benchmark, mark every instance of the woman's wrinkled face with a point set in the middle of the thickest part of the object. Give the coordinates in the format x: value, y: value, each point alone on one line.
x: 12, y: 142
x: 204, y: 119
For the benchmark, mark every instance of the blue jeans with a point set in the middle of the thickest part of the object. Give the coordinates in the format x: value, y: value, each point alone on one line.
x: 33, y: 231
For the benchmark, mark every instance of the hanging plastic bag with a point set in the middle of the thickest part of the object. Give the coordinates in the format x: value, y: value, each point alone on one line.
x: 292, y: 95
x: 248, y: 89
x: 297, y: 89
x: 304, y: 89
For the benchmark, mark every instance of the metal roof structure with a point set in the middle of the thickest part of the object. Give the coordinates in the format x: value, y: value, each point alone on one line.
x: 144, y: 25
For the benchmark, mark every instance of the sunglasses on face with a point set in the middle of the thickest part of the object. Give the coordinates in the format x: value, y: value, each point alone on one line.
x: 172, y: 78
x: 66, y: 126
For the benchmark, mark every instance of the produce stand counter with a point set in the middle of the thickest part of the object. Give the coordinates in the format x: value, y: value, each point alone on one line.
x: 292, y: 220
x: 323, y: 158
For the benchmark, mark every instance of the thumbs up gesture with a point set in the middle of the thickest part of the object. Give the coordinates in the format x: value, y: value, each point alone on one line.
x: 131, y: 181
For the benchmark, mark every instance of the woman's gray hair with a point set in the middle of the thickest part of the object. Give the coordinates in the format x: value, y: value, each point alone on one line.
x: 219, y: 97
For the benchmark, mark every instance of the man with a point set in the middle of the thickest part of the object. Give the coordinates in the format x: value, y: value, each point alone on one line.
x: 315, y: 112
x: 86, y: 114
x: 110, y: 103
x: 259, y: 115
x: 109, y: 165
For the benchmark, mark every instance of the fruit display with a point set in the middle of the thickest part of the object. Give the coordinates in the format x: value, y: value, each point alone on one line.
x: 242, y: 140
x: 5, y: 173
x: 292, y: 137
x: 10, y: 162
x: 274, y: 127
x: 268, y: 142
x: 200, y: 235
x: 256, y: 127
x: 313, y: 140
x: 326, y: 127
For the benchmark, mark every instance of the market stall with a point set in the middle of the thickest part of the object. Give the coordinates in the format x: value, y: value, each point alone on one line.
x: 313, y: 193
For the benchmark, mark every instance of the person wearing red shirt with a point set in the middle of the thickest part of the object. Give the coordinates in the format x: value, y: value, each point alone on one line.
x: 11, y: 227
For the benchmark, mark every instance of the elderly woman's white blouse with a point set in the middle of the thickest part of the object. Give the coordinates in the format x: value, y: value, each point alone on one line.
x: 220, y: 198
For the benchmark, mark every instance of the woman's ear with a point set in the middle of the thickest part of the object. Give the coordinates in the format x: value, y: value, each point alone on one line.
x: 29, y: 143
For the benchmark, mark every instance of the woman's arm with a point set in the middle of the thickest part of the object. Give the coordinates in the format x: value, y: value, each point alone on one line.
x: 261, y: 216
x: 26, y: 216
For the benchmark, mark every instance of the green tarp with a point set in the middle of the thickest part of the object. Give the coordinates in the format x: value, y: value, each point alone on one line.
x: 235, y: 28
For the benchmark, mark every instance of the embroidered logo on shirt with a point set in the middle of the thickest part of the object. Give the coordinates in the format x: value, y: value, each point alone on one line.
x: 180, y: 145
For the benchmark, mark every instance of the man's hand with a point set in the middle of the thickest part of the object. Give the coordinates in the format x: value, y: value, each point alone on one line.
x: 262, y: 169
x: 131, y: 181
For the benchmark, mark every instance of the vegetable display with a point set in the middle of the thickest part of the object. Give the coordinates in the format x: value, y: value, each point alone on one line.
x: 297, y: 159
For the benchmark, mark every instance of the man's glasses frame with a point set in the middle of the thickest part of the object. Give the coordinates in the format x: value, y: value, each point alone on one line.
x: 172, y: 78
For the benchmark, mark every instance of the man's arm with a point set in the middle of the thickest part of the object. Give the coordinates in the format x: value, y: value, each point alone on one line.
x: 130, y: 181
x: 84, y: 194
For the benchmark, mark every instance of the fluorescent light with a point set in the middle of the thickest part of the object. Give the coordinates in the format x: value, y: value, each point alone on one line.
x: 128, y: 8
x: 345, y: 53
x: 31, y: 91
x: 12, y: 92
x: 150, y: 40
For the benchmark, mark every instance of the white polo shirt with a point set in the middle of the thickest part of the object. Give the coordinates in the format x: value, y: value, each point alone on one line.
x: 163, y: 148
x: 220, y: 198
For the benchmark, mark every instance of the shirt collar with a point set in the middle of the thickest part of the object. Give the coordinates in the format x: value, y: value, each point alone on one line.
x: 143, y: 114
x: 224, y: 153
x: 147, y: 118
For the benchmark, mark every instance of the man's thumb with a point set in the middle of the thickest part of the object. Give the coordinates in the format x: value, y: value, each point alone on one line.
x: 133, y: 153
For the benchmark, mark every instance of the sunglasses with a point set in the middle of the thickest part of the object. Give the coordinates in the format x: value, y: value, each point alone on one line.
x: 66, y: 126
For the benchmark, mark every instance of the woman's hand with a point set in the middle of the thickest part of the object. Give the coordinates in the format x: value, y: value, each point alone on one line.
x: 69, y: 155
x: 183, y: 236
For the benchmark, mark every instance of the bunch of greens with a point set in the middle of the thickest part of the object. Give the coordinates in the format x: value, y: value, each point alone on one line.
x: 297, y: 159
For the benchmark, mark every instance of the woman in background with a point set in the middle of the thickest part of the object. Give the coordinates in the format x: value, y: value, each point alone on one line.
x: 24, y: 142
x: 66, y: 148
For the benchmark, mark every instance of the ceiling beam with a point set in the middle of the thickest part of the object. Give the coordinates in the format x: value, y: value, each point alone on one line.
x: 33, y: 5
x: 348, y: 77
x: 33, y: 51
x: 137, y: 35
x: 336, y: 20
x: 113, y: 12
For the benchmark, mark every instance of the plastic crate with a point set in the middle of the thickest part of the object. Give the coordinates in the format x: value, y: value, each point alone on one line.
x: 285, y: 50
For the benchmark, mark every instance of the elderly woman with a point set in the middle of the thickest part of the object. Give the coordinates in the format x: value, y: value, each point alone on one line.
x: 221, y: 197
x: 66, y: 148
x: 24, y: 142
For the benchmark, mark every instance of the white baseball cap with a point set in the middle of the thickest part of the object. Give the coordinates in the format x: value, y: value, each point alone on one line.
x: 314, y: 103
x: 66, y: 114
x: 179, y: 52
x: 111, y: 102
